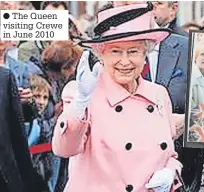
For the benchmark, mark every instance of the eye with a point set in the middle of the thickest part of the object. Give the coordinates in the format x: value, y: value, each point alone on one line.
x: 36, y: 96
x: 202, y: 54
x: 46, y: 97
x: 116, y: 51
x: 133, y: 52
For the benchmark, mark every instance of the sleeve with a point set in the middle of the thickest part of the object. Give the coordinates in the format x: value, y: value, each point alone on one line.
x: 34, y: 136
x: 69, y: 133
x: 18, y: 137
x: 173, y: 163
x: 169, y: 112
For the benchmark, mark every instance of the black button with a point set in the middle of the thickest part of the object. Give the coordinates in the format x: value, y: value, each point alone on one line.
x: 128, y: 146
x: 129, y: 188
x: 163, y: 146
x: 150, y: 108
x: 175, y: 181
x: 62, y: 124
x: 119, y: 108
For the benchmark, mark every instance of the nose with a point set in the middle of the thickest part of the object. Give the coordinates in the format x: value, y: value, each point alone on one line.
x: 41, y: 101
x: 125, y: 60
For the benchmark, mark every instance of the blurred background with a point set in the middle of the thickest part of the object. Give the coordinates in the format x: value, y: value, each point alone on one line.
x: 189, y: 12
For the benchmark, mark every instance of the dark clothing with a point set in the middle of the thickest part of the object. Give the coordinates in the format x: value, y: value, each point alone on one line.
x: 16, y: 171
x: 176, y: 29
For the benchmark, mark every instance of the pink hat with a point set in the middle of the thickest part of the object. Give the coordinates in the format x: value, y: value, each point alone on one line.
x: 126, y: 23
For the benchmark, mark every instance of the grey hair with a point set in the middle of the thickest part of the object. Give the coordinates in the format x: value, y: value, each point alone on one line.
x: 149, y: 45
x: 171, y: 3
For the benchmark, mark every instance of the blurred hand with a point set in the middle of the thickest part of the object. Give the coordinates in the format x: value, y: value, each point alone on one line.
x: 161, y: 180
x: 25, y: 95
x: 179, y: 120
x: 58, y: 109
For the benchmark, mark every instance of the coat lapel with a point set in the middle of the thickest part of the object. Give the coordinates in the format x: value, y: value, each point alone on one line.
x: 168, y: 56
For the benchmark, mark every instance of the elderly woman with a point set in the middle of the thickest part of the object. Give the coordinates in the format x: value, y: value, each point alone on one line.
x: 117, y: 125
x: 198, y: 78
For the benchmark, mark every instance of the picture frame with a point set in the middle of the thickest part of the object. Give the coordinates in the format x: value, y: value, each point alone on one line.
x: 194, y: 116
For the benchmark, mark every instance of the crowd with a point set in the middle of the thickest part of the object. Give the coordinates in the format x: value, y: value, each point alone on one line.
x: 52, y: 94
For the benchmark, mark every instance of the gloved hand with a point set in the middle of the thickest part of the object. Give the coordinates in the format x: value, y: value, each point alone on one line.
x: 86, y: 78
x: 161, y: 180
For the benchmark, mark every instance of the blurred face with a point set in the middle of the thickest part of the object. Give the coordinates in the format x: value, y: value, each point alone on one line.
x: 41, y: 99
x: 200, y: 60
x: 50, y: 7
x: 124, y: 61
x: 122, y: 3
x: 163, y: 13
x: 191, y: 28
x: 4, y: 45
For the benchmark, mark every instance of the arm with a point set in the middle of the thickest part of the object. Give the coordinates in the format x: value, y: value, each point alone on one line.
x: 34, y: 136
x: 73, y: 123
x: 179, y: 120
x: 173, y: 164
x: 69, y: 133
x: 18, y: 138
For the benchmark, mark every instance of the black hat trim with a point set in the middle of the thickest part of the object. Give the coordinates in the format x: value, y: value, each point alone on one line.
x: 101, y: 39
x: 121, y: 18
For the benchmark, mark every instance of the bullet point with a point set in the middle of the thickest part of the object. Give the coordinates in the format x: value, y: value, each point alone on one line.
x: 6, y: 15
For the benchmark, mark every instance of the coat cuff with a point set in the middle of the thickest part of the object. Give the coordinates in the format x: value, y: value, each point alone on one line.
x: 176, y: 166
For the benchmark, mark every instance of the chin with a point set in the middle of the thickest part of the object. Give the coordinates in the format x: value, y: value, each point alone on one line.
x: 124, y: 81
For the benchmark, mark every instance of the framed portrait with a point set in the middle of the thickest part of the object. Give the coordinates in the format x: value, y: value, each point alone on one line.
x: 194, y: 116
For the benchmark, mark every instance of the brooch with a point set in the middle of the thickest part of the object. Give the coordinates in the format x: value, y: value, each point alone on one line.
x: 159, y: 107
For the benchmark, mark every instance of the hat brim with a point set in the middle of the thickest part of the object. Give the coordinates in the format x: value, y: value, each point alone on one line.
x: 156, y: 35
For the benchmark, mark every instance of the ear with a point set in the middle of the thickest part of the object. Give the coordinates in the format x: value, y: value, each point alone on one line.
x: 174, y: 8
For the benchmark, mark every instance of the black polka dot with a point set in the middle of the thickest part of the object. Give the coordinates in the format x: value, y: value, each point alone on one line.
x: 163, y: 146
x: 119, y: 108
x: 128, y: 146
x: 150, y: 108
x: 175, y: 181
x: 62, y: 124
x: 129, y: 188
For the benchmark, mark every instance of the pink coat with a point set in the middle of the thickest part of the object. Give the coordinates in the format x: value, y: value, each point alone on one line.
x: 129, y: 138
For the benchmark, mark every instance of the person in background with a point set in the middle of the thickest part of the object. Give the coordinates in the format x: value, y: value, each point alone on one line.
x: 165, y: 13
x: 25, y: 5
x: 54, y: 5
x: 191, y: 26
x: 58, y: 66
x: 197, y: 77
x: 16, y: 171
x: 46, y: 163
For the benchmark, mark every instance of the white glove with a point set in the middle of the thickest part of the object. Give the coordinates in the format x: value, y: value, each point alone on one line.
x: 86, y: 83
x: 161, y: 180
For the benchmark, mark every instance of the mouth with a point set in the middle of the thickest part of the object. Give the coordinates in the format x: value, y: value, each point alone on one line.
x: 40, y: 108
x: 125, y: 71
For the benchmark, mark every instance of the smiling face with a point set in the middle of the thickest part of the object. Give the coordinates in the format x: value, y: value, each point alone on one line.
x: 200, y: 60
x: 124, y: 61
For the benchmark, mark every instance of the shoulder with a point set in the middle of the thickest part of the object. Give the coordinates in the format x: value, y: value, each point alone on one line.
x: 69, y: 90
x: 5, y: 73
x: 156, y: 88
x: 176, y: 41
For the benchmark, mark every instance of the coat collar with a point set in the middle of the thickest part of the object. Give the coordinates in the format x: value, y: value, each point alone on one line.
x: 115, y: 93
x: 167, y: 60
x: 198, y: 77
